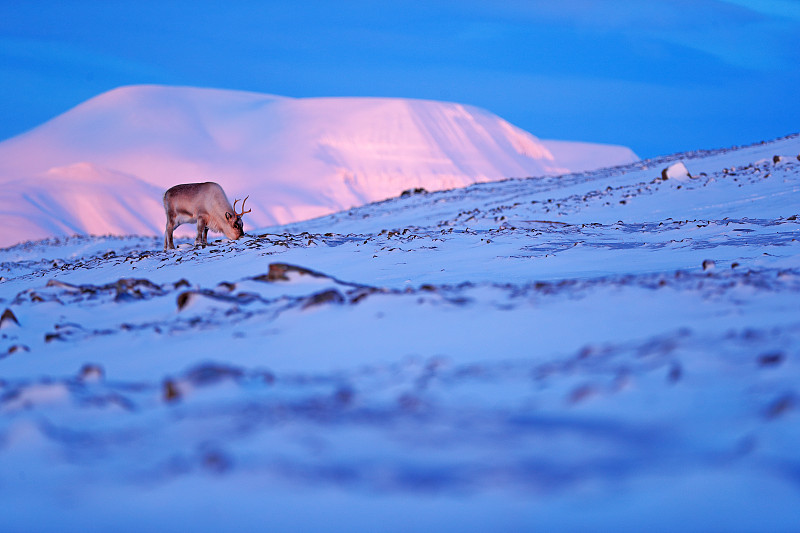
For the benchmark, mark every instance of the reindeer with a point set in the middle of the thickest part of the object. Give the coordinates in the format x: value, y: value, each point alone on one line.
x: 206, y: 204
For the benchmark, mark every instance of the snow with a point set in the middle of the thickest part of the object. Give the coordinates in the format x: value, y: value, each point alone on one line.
x: 543, y: 353
x: 296, y: 158
x: 676, y: 171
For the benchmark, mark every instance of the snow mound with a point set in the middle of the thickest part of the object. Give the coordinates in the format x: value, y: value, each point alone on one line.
x: 296, y: 158
x: 676, y: 171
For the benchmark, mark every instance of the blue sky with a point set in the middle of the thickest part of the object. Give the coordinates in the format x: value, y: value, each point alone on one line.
x: 660, y: 76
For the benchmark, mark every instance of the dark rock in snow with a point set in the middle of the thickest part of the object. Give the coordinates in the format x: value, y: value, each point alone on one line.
x: 410, y: 192
x: 280, y: 271
x: 771, y: 359
x: 91, y: 372
x: 210, y: 373
x: 185, y: 298
x: 8, y: 318
x: 324, y: 297
x: 780, y: 406
x: 170, y: 391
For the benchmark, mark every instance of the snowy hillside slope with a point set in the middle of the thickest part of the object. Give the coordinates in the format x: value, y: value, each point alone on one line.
x: 295, y: 158
x: 79, y: 199
x: 605, y: 351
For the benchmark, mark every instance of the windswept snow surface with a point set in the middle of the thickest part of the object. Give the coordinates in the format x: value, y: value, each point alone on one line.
x: 606, y: 351
x: 296, y: 158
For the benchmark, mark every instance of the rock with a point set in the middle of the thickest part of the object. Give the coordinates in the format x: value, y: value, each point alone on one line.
x: 14, y: 349
x: 210, y: 373
x: 181, y: 283
x: 770, y: 359
x: 8, y: 319
x: 323, y: 297
x: 91, y: 373
x: 410, y: 192
x: 675, y: 373
x: 170, y: 391
x: 216, y: 462
x: 185, y: 299
x: 226, y: 286
x: 780, y: 406
x: 135, y: 289
x: 281, y: 271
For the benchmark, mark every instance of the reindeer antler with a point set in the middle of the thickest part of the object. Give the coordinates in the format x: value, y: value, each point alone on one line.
x: 243, y: 211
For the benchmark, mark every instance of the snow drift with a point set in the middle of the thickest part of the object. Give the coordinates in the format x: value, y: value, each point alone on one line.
x: 296, y: 158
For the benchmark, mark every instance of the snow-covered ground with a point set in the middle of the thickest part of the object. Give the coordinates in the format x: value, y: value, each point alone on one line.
x: 606, y: 351
x: 102, y: 167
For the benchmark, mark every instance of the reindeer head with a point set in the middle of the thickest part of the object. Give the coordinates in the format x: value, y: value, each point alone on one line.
x: 235, y: 219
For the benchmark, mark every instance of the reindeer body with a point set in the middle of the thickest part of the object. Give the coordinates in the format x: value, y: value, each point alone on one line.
x: 205, y: 204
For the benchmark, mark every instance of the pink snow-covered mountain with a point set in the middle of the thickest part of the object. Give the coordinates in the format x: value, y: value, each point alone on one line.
x: 102, y: 167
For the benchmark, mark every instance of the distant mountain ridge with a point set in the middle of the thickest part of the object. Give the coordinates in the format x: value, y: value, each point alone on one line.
x: 101, y: 167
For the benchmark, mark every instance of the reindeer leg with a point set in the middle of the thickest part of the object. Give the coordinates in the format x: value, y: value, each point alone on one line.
x: 201, y: 228
x: 168, y: 244
x: 205, y: 235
